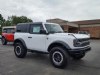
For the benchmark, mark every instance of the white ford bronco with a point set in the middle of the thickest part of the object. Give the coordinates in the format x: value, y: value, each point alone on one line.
x: 49, y: 38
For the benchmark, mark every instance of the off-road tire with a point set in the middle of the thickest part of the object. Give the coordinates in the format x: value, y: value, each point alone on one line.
x: 19, y: 50
x: 63, y: 55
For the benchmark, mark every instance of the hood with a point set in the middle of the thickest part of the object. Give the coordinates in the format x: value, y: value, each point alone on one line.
x: 79, y: 36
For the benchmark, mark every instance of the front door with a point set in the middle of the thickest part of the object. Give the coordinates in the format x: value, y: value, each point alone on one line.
x: 36, y: 41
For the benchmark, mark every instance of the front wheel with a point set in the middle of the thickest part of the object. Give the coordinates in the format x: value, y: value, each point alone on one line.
x: 20, y: 50
x: 59, y: 57
x: 4, y: 41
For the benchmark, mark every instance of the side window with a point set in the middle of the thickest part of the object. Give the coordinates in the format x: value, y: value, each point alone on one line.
x: 35, y: 28
x: 22, y: 28
x: 13, y: 30
x: 10, y: 30
x: 18, y: 29
x: 4, y: 30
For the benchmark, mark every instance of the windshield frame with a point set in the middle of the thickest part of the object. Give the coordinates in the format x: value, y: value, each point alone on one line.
x: 53, y: 24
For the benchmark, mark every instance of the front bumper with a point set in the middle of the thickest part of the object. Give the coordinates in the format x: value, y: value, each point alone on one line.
x: 80, y: 50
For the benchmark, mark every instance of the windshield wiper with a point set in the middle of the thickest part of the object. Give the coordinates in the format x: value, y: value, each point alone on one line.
x: 55, y: 32
x: 59, y: 32
x: 52, y: 32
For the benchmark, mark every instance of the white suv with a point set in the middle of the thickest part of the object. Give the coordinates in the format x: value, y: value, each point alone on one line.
x: 49, y: 38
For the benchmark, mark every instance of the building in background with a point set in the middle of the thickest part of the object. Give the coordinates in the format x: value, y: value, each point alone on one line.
x: 91, y: 26
x: 66, y: 26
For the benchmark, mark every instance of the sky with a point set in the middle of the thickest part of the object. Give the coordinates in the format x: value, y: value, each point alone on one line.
x: 40, y: 10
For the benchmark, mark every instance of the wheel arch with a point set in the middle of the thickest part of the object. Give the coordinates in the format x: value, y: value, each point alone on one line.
x: 59, y: 43
x: 21, y: 41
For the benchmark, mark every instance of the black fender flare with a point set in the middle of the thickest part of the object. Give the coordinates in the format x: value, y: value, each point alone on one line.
x: 20, y: 40
x: 60, y: 43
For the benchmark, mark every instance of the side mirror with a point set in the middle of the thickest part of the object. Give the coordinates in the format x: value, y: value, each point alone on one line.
x: 42, y: 31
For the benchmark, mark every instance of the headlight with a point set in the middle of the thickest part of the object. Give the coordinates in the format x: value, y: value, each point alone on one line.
x: 77, y: 43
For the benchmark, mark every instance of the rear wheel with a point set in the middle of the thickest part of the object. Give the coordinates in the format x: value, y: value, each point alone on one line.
x: 20, y: 50
x: 59, y: 57
x: 4, y: 41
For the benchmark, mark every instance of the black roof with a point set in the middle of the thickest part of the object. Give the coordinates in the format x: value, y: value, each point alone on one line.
x: 30, y: 23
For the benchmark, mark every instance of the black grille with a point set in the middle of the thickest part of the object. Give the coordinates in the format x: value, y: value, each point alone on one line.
x: 82, y: 40
x: 85, y: 43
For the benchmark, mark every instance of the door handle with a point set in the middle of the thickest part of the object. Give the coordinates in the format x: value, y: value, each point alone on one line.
x: 29, y: 37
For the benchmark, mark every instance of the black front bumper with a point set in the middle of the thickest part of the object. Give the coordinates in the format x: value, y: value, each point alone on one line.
x: 79, y: 50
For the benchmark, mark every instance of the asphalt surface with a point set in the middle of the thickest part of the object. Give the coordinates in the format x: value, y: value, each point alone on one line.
x: 39, y: 64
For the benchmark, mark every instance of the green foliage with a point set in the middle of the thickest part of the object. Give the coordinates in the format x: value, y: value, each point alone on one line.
x: 8, y: 23
x: 22, y: 19
x: 2, y: 20
x: 13, y: 20
x: 2, y: 23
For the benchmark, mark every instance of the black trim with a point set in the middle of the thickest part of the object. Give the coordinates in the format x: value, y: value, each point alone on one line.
x: 79, y: 50
x: 60, y: 42
x: 22, y: 41
x: 30, y: 23
x: 82, y: 49
x: 36, y: 51
x: 63, y: 43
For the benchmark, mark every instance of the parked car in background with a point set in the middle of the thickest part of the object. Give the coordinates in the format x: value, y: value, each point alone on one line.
x: 84, y: 32
x: 8, y: 34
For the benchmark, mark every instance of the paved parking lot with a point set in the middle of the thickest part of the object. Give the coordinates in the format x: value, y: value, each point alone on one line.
x: 38, y: 64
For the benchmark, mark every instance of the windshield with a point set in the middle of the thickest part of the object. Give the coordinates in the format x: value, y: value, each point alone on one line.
x: 53, y: 28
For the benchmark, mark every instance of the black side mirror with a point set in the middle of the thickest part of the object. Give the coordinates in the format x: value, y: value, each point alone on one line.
x: 42, y: 31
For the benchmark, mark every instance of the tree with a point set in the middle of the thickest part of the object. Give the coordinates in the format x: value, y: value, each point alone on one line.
x: 8, y: 23
x: 1, y: 18
x: 22, y: 19
x: 2, y: 22
x: 13, y: 20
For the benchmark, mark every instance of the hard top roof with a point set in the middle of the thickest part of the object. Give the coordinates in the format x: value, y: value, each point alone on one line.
x: 35, y: 23
x: 30, y: 23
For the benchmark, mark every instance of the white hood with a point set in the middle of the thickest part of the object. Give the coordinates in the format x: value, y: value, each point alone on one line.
x: 76, y: 35
x: 81, y: 36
